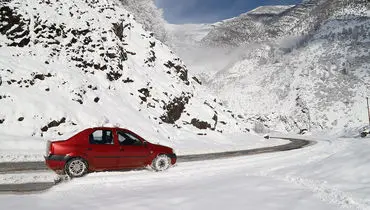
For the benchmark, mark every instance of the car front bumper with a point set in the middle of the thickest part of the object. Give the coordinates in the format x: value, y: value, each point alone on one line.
x: 173, y: 158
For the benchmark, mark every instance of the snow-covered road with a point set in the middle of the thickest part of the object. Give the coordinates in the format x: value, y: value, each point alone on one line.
x: 329, y: 175
x: 35, y: 176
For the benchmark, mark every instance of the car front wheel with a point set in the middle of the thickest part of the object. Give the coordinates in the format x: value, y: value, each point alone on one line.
x: 76, y: 167
x: 161, y: 163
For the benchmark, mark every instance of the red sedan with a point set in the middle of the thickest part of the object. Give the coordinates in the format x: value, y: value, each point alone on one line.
x: 102, y: 149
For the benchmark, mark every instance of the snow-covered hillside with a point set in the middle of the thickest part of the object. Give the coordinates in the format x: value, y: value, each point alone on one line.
x: 272, y: 22
x: 67, y: 65
x: 306, y: 68
x: 270, y: 10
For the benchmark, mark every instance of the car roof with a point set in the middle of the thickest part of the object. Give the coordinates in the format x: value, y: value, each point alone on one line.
x: 107, y: 128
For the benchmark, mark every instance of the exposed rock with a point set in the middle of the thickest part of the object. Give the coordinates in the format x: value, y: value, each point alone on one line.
x: 111, y: 55
x: 78, y: 33
x: 197, y: 80
x: 123, y: 54
x: 180, y: 70
x: 113, y: 75
x: 128, y: 80
x: 131, y: 53
x: 174, y: 109
x: 79, y: 101
x: 39, y: 76
x: 52, y: 124
x: 146, y: 94
x: 200, y: 124
x: 118, y: 30
x: 14, y: 27
x: 151, y: 59
x: 215, y: 118
x: 44, y: 129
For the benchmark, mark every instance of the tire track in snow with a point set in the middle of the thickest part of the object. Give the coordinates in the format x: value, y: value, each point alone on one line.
x: 321, y: 189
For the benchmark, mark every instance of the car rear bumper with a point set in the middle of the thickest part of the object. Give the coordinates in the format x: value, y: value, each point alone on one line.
x: 56, y: 163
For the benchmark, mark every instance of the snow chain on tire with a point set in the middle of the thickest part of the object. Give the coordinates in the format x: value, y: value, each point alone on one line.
x: 161, y: 163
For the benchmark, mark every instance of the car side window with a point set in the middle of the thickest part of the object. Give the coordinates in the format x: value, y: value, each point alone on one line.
x: 126, y: 138
x: 101, y: 137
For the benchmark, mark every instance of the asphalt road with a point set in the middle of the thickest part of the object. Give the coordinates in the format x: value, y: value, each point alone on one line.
x: 13, y: 167
x: 26, y: 187
x: 40, y: 166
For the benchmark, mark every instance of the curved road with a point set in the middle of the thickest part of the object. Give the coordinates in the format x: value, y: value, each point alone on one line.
x: 40, y: 166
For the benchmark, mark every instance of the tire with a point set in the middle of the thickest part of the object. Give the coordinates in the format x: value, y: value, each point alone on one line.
x: 363, y: 134
x: 161, y: 163
x: 76, y: 167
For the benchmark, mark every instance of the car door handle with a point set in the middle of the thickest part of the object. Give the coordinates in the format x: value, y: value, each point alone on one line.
x: 89, y: 149
x: 121, y: 149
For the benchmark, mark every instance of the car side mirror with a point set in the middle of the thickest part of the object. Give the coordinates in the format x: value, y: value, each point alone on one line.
x: 145, y: 143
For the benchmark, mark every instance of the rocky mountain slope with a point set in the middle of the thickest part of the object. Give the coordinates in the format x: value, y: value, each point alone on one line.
x: 67, y: 65
x: 304, y: 68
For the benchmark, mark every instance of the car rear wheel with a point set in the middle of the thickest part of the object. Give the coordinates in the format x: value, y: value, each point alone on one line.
x: 161, y: 163
x: 76, y: 167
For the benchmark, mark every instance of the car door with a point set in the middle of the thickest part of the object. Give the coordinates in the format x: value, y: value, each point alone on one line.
x: 134, y: 153
x: 102, y: 151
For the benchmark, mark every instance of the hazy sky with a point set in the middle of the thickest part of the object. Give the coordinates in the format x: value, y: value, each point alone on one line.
x: 209, y: 11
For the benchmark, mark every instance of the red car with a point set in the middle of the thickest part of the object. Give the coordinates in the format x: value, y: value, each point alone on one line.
x: 102, y: 149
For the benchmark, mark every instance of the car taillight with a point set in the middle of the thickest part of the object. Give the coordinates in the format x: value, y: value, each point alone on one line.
x: 48, y: 146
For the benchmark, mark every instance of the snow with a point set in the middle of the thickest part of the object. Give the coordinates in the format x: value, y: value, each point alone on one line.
x: 331, y: 174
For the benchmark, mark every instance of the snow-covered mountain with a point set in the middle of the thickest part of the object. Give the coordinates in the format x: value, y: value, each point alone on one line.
x: 270, y: 10
x: 272, y: 22
x: 67, y: 65
x: 294, y: 68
